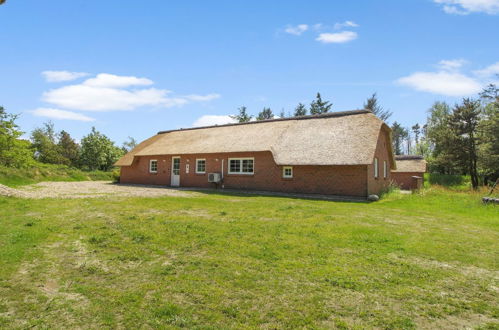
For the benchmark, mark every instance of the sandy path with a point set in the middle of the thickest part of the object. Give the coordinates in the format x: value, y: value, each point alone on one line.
x: 89, y: 189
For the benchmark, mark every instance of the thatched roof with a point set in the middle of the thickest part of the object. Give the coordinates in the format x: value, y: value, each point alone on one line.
x: 410, y: 163
x: 338, y: 138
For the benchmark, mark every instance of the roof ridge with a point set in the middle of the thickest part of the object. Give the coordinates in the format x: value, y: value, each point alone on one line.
x: 324, y: 115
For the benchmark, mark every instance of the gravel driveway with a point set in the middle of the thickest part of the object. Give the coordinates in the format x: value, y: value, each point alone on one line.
x: 90, y: 189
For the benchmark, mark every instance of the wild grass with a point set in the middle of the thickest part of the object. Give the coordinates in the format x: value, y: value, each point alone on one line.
x: 246, y: 261
x: 15, y: 177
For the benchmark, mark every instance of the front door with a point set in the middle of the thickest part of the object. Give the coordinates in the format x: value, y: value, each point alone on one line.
x: 175, y: 182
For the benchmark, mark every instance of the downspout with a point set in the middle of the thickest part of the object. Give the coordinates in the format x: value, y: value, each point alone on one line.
x: 222, y: 173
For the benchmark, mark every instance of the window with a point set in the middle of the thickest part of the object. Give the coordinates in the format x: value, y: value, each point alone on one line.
x: 153, y: 166
x: 287, y: 172
x: 200, y: 166
x: 241, y: 165
x: 376, y: 173
x: 385, y: 169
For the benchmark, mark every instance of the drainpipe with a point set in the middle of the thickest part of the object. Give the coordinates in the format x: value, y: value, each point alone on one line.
x: 222, y: 172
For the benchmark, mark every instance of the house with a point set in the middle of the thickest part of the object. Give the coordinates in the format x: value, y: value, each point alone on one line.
x: 408, y: 167
x: 341, y: 153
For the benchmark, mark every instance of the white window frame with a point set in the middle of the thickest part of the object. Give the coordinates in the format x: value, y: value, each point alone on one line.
x: 284, y: 168
x: 197, y: 160
x: 241, y: 165
x: 150, y: 166
x: 385, y: 169
x: 376, y: 169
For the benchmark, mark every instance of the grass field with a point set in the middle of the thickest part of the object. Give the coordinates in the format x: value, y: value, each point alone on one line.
x: 15, y: 177
x: 428, y: 260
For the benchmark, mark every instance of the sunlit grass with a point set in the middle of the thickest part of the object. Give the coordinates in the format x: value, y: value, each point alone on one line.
x: 243, y: 261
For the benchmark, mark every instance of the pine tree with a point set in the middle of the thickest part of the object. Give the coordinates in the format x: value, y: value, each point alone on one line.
x: 464, y: 122
x: 129, y: 144
x: 265, y: 114
x: 318, y: 106
x: 417, y: 131
x: 300, y: 110
x: 399, y: 135
x: 376, y: 109
x: 68, y: 148
x: 243, y: 116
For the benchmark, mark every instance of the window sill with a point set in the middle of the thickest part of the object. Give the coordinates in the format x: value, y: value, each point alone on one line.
x: 241, y: 174
x: 200, y: 173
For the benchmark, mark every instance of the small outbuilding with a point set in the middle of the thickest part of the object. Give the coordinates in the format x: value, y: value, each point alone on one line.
x: 409, y: 167
x: 341, y: 153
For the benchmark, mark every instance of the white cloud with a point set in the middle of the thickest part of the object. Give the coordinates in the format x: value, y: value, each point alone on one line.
x: 489, y: 71
x: 451, y: 65
x: 296, y: 30
x: 464, y: 7
x: 210, y: 120
x: 340, y: 37
x: 114, y: 81
x: 107, y: 92
x: 58, y: 76
x: 443, y: 83
x: 338, y: 26
x: 202, y: 98
x: 60, y: 114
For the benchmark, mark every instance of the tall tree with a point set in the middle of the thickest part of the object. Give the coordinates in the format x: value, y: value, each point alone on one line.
x: 13, y: 151
x: 464, y: 122
x: 68, y: 148
x: 282, y: 114
x: 440, y: 139
x: 399, y: 134
x: 300, y: 110
x: 45, y: 145
x: 265, y: 114
x: 488, y: 160
x: 318, y: 106
x: 129, y: 144
x: 243, y: 116
x: 98, y: 152
x: 373, y: 105
x: 416, y: 129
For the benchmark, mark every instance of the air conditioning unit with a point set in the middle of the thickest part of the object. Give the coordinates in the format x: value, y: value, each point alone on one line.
x: 213, y: 177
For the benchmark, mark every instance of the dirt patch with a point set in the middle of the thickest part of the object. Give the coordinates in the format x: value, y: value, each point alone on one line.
x: 90, y: 189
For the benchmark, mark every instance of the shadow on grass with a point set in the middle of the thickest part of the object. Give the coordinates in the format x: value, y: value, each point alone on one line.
x: 253, y: 193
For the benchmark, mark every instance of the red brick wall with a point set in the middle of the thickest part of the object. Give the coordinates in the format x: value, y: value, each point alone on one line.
x: 404, y: 179
x: 334, y: 180
x: 377, y: 185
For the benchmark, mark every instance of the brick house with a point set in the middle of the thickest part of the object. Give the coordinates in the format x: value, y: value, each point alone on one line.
x: 341, y: 153
x: 408, y: 166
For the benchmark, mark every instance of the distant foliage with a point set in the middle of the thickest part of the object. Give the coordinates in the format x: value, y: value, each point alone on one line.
x: 98, y: 152
x: 265, y: 114
x: 373, y: 105
x: 300, y: 110
x: 129, y: 144
x: 399, y: 135
x: 243, y: 116
x: 13, y: 151
x: 318, y: 106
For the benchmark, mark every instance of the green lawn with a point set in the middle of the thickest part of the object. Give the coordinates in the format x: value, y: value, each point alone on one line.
x: 428, y: 260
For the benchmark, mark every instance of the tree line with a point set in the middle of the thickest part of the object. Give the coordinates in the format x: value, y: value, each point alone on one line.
x: 459, y: 139
x: 95, y: 151
x: 462, y: 139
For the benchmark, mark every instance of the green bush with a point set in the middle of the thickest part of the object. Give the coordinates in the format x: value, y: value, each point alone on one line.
x: 116, y: 176
x: 448, y: 180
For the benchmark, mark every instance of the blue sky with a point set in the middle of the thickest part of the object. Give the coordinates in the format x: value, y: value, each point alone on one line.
x: 132, y: 68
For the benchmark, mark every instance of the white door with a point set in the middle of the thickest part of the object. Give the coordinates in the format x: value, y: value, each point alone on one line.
x: 175, y: 182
